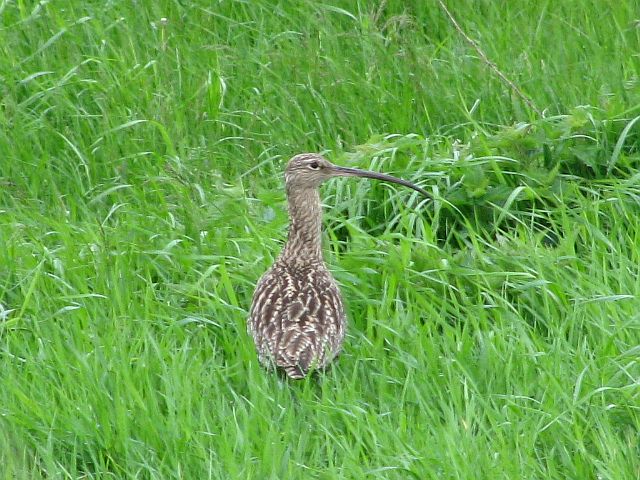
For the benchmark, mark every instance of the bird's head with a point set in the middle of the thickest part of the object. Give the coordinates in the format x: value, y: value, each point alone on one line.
x: 309, y: 170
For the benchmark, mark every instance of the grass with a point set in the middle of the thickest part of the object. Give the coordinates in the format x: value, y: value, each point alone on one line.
x: 494, y: 332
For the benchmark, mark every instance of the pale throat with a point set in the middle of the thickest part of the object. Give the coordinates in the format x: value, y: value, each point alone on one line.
x: 304, y: 243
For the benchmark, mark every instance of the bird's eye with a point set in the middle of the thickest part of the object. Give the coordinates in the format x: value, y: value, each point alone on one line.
x: 314, y: 166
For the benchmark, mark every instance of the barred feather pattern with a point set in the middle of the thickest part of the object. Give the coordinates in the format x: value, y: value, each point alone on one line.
x: 297, y: 318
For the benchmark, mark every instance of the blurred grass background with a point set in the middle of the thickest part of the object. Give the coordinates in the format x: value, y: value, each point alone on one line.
x: 494, y: 332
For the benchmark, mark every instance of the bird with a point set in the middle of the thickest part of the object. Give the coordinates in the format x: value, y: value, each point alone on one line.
x: 297, y: 317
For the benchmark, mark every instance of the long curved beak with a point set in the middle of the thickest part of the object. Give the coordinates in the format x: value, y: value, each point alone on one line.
x: 355, y: 172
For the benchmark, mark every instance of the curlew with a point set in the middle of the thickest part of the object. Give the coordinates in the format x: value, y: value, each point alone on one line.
x: 297, y: 317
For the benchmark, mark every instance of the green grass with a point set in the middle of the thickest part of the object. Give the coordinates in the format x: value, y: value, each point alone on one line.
x: 494, y: 332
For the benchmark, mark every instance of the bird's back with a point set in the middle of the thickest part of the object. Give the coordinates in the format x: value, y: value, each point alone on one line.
x: 297, y: 317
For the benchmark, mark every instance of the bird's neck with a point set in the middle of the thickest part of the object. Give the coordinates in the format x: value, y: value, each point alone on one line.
x: 304, y: 244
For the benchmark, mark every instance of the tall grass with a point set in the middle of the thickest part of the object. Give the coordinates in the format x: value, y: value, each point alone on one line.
x: 494, y: 330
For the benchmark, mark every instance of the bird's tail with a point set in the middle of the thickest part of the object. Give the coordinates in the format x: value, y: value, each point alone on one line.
x: 295, y: 372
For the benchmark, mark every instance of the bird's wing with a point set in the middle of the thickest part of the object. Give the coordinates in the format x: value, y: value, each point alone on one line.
x: 297, y: 317
x: 313, y: 321
x: 266, y: 307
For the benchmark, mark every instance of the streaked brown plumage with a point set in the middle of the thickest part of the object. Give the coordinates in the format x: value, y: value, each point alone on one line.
x: 297, y: 319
